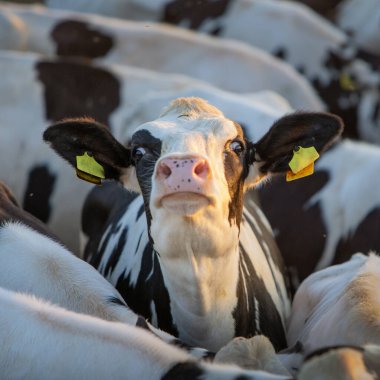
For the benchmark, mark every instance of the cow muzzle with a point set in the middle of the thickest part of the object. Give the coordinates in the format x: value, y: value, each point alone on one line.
x: 183, y: 182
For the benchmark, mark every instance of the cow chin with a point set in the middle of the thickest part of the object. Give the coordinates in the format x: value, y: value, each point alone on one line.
x: 184, y: 203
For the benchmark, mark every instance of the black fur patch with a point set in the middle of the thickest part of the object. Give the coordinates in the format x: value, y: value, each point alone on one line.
x: 145, y: 166
x: 10, y: 211
x: 75, y: 38
x: 195, y: 12
x: 142, y: 323
x: 74, y: 89
x: 324, y: 350
x: 38, y: 191
x: 184, y: 371
x: 247, y: 310
x: 116, y: 301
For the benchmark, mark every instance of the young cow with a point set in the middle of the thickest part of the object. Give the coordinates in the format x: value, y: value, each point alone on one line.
x: 201, y: 267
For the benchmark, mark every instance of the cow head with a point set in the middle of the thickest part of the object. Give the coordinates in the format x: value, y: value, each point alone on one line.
x: 192, y: 166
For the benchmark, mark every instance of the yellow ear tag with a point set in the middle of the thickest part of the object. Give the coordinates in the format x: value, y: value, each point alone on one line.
x: 309, y: 170
x: 302, y: 163
x: 88, y: 169
x: 346, y: 82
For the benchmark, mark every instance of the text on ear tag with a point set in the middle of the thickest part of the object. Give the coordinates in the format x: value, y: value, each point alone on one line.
x: 302, y: 158
x: 88, y: 169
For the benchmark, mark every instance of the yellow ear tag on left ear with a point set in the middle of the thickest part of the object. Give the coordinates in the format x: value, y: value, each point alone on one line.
x: 88, y: 169
x: 302, y: 163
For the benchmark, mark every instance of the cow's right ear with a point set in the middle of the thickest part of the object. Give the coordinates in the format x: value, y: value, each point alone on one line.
x: 72, y: 138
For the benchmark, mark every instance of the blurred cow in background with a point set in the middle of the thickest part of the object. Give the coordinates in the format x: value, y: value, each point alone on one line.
x: 346, y: 78
x: 156, y: 47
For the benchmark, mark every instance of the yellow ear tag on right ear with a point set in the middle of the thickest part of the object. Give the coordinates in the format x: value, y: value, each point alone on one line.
x: 89, y: 169
x: 302, y: 163
x: 309, y: 170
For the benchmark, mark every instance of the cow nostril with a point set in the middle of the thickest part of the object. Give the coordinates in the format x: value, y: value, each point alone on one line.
x: 201, y: 168
x: 164, y: 170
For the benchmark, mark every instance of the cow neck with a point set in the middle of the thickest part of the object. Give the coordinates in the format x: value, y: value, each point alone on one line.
x: 202, y: 290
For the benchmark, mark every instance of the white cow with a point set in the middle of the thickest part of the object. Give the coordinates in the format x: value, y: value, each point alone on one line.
x: 43, y: 341
x: 338, y: 305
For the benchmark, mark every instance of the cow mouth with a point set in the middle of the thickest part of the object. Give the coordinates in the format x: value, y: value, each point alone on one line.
x: 185, y: 202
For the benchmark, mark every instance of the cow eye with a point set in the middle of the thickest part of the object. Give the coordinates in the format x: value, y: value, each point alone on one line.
x: 137, y: 153
x: 237, y: 147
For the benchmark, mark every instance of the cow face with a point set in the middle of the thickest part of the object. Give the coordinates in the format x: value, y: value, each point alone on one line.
x: 192, y: 166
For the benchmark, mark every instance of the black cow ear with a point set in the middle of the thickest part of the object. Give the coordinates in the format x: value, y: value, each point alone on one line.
x: 275, y: 149
x: 93, y: 143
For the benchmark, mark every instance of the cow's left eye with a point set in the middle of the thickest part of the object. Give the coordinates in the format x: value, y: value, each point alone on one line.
x: 237, y: 147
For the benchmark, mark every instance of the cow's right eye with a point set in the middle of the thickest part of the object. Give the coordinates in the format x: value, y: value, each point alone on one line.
x: 137, y: 153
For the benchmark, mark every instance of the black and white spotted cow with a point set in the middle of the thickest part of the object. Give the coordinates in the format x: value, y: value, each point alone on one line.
x: 334, y: 213
x: 151, y: 46
x: 91, y: 332
x: 186, y: 253
x: 345, y: 77
x: 359, y: 19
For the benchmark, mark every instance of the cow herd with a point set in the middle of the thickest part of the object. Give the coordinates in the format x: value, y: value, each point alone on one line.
x: 194, y: 257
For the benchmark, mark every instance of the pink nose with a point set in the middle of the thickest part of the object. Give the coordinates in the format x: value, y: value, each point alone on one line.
x: 183, y: 174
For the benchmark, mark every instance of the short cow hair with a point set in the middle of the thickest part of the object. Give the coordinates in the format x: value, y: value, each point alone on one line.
x: 191, y: 107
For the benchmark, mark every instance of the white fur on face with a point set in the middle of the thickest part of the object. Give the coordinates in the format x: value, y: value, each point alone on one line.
x: 206, y: 138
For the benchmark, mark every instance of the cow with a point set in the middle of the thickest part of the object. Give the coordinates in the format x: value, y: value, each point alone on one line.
x: 338, y: 305
x: 341, y: 363
x: 48, y: 90
x: 345, y: 76
x: 151, y: 47
x: 92, y: 316
x: 185, y: 253
x: 339, y: 204
x: 44, y: 341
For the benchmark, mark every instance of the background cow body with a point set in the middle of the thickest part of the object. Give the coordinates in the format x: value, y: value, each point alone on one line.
x: 339, y: 205
x: 345, y: 77
x: 152, y: 47
x: 338, y: 305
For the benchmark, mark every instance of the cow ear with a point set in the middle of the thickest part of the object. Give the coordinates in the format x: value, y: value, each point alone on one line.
x: 275, y: 149
x: 72, y: 138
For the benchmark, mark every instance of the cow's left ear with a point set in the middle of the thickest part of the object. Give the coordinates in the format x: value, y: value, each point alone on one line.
x: 274, y: 151
x: 72, y: 138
